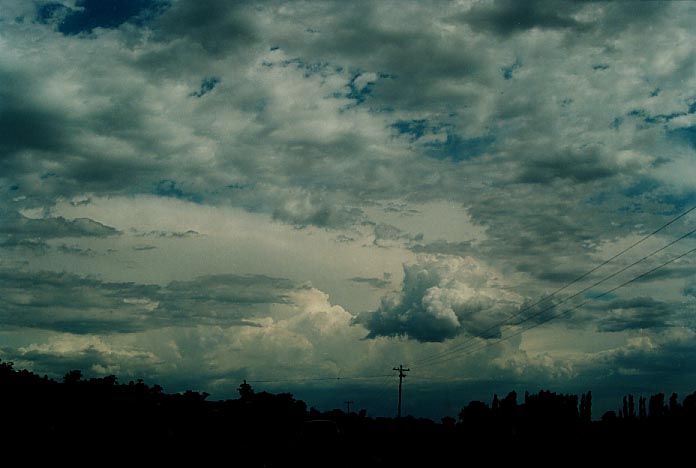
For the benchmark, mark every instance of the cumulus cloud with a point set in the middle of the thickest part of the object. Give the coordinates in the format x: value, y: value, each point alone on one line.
x: 440, y: 298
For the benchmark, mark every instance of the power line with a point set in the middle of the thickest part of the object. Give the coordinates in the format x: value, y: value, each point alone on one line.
x: 472, y: 341
x: 317, y: 379
x: 466, y: 347
x: 464, y: 344
x: 519, y: 332
x: 401, y: 378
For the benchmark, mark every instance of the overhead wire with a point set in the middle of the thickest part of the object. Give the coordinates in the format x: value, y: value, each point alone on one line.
x: 508, y: 319
x: 541, y: 322
x: 474, y: 344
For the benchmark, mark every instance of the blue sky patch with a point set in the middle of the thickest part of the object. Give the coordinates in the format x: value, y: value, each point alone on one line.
x: 692, y: 107
x: 49, y: 12
x: 641, y: 187
x: 661, y: 118
x: 458, y: 149
x: 679, y: 202
x: 169, y: 188
x: 509, y: 71
x: 414, y: 128
x: 687, y: 134
x: 207, y: 85
x: 90, y: 14
x: 359, y: 94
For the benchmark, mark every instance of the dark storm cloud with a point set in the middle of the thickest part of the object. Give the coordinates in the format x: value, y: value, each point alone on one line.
x: 579, y: 166
x: 15, y: 227
x: 635, y: 313
x: 166, y: 234
x: 66, y: 302
x: 411, y: 60
x: 75, y: 250
x: 75, y: 304
x: 87, y: 360
x: 46, y: 151
x: 378, y: 283
x: 443, y: 247
x: 227, y: 290
x: 508, y: 16
x: 26, y: 122
x: 217, y: 26
x: 314, y: 210
x: 387, y: 234
x: 669, y: 363
x: 684, y: 269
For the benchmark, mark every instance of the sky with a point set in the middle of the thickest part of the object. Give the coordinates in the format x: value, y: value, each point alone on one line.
x: 306, y: 195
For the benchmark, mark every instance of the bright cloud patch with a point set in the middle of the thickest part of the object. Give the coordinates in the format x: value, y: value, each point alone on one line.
x: 440, y: 298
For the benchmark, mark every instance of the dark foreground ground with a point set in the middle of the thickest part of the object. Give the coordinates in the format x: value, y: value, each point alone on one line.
x: 100, y: 422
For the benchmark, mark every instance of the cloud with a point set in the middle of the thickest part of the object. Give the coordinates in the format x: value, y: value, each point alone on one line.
x: 166, y: 234
x: 90, y: 14
x: 641, y: 313
x: 209, y: 328
x: 70, y: 303
x: 217, y: 26
x: 92, y: 355
x: 80, y: 305
x: 386, y: 235
x: 509, y: 17
x: 17, y: 230
x: 374, y: 282
x: 636, y: 313
x: 221, y: 299
x: 442, y: 297
x: 207, y: 85
x: 444, y: 247
x: 660, y: 359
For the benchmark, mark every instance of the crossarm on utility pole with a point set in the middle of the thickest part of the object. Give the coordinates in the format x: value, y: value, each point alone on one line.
x: 401, y: 377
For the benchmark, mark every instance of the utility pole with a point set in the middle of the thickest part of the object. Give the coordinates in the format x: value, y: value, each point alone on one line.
x: 401, y: 377
x: 348, y: 403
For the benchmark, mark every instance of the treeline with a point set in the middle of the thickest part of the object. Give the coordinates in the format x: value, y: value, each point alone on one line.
x: 88, y: 421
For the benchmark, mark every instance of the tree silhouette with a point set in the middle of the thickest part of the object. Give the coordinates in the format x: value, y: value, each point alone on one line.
x: 656, y: 405
x: 624, y: 413
x: 586, y: 407
x: 642, y: 412
x: 674, y: 407
x: 72, y: 377
x: 103, y: 414
x: 246, y: 393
